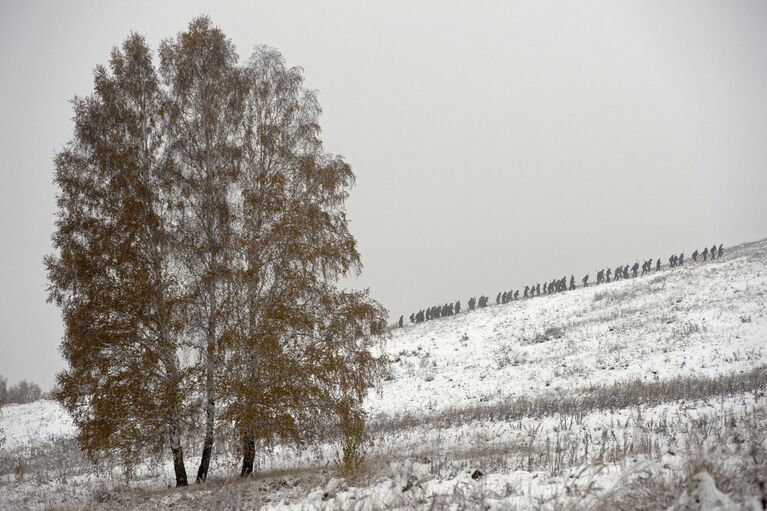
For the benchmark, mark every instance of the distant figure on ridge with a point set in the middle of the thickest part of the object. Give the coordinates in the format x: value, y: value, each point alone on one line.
x: 609, y: 271
x: 713, y: 252
x: 657, y: 266
x: 704, y: 254
x: 586, y: 280
x: 634, y: 269
x: 695, y: 255
x: 721, y: 251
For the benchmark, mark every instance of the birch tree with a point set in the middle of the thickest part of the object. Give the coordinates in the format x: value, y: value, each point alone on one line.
x: 203, y: 115
x: 113, y: 274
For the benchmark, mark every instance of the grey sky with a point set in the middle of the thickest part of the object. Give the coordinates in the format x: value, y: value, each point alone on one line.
x: 495, y: 144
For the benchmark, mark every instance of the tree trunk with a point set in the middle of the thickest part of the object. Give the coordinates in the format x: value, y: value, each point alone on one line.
x: 248, y: 455
x: 207, y: 448
x: 178, y: 460
x: 210, y: 409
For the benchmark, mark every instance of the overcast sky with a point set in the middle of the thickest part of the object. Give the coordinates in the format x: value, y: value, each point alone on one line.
x: 495, y: 144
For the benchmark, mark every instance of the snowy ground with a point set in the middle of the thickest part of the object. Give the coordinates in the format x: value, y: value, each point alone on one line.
x: 705, y: 318
x: 512, y: 406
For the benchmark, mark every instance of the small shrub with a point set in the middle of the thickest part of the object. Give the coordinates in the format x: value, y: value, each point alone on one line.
x: 353, y: 439
x: 19, y: 471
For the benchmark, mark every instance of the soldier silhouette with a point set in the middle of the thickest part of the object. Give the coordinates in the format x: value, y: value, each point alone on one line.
x: 600, y: 276
x: 545, y: 288
x: 527, y: 290
x: 609, y: 271
x: 498, y: 299
x: 538, y: 289
x: 657, y: 266
x: 401, y: 320
x: 671, y: 261
x: 586, y: 280
x: 458, y: 307
x: 695, y: 255
x: 681, y: 259
x: 704, y: 254
x: 635, y: 269
x: 516, y: 294
x: 412, y: 318
x: 721, y: 251
x: 713, y: 251
x: 626, y: 271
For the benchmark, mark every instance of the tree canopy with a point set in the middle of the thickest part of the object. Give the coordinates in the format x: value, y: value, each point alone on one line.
x: 200, y: 238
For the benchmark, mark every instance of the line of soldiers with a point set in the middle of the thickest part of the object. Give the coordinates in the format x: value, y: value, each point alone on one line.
x: 559, y: 285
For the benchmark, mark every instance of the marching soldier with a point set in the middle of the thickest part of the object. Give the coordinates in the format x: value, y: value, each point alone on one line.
x: 721, y: 251
x: 695, y: 255
x: 609, y: 271
x: 586, y: 280
x: 634, y: 269
x: 657, y: 266
x: 704, y: 254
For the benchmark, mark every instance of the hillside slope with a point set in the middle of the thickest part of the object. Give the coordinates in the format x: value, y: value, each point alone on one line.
x: 508, y: 407
x: 704, y: 318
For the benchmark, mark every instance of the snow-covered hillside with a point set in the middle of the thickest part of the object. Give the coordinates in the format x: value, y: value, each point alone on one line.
x: 702, y: 318
x: 447, y: 429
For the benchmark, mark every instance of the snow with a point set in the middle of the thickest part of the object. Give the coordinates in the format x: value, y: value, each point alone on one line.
x: 705, y: 318
x: 32, y: 423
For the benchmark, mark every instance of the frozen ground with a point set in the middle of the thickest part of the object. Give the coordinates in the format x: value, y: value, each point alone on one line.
x: 648, y: 392
x: 706, y: 318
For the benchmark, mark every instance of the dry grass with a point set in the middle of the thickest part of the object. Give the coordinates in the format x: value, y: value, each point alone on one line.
x: 611, y: 397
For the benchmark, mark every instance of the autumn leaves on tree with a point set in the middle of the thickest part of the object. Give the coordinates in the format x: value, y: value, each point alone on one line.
x: 200, y: 237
